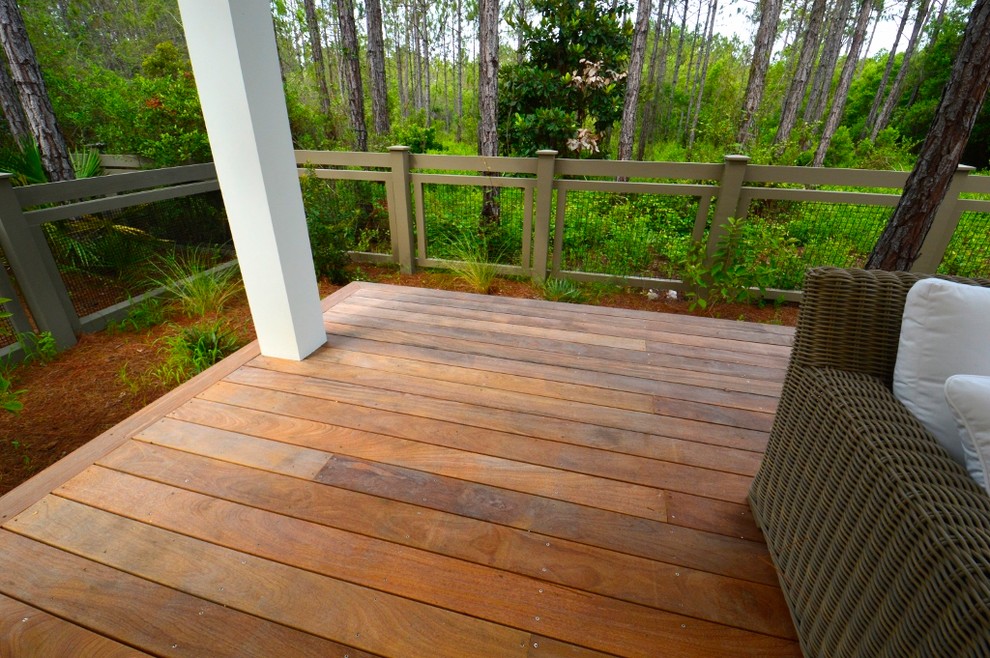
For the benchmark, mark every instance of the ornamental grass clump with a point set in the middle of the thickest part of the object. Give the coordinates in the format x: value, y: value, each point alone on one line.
x: 196, y: 281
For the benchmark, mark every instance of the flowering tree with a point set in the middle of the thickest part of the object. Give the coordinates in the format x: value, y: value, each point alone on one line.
x: 569, y: 88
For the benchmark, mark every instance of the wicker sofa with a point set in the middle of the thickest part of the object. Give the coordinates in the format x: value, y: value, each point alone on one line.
x: 881, y: 541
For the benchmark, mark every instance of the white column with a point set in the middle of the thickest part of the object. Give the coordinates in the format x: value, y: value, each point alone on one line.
x: 232, y: 47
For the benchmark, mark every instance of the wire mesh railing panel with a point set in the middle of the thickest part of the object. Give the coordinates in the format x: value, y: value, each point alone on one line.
x: 968, y: 253
x: 355, y: 212
x: 808, y: 234
x: 107, y: 258
x: 639, y: 235
x: 465, y: 218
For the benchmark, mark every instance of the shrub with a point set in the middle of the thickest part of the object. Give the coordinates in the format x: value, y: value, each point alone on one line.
x: 471, y: 263
x: 563, y: 290
x: 193, y: 349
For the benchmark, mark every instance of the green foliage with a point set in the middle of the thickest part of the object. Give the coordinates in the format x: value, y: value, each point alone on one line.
x: 471, y: 262
x: 748, y: 260
x: 563, y: 290
x: 418, y: 137
x: 195, y: 281
x: 38, y: 346
x: 332, y: 218
x: 193, y: 349
x: 572, y: 77
x: 8, y: 395
x: 24, y: 165
x: 143, y: 315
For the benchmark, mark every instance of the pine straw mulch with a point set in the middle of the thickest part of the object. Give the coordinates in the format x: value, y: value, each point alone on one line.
x: 106, y: 377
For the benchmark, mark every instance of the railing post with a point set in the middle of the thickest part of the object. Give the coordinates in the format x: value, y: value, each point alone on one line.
x: 944, y: 225
x: 546, y: 165
x: 400, y: 210
x: 37, y: 274
x: 733, y: 176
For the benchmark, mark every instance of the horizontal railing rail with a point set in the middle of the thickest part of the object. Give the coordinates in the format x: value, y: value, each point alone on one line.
x: 555, y: 205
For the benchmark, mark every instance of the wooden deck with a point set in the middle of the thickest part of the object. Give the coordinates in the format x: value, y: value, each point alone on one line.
x: 452, y: 475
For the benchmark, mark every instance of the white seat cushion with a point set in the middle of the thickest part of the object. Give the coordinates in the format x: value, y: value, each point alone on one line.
x: 968, y: 397
x: 945, y: 331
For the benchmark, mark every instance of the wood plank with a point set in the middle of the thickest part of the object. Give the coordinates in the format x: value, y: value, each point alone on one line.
x: 524, y: 551
x: 27, y: 631
x: 501, y: 328
x: 669, y: 464
x: 559, y: 343
x: 757, y: 395
x: 134, y: 611
x: 526, y: 424
x: 21, y: 497
x: 498, y: 596
x: 424, y: 336
x: 738, y: 424
x: 555, y: 320
x: 628, y: 534
x: 371, y: 620
x: 542, y: 306
x: 323, y: 441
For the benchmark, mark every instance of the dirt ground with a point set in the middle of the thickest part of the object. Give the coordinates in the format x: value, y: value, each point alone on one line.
x: 106, y: 377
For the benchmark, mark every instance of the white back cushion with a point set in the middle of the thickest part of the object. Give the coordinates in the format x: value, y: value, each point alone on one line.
x: 968, y: 397
x: 945, y: 331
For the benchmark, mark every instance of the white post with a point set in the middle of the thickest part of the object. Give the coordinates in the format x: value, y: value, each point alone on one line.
x: 232, y: 48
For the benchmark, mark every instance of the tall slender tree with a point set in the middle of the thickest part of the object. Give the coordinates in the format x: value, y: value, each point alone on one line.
x: 871, y: 119
x: 488, y: 20
x: 900, y: 243
x: 845, y: 82
x: 316, y: 47
x: 896, y: 89
x: 766, y: 34
x: 821, y: 82
x: 799, y: 82
x: 352, y: 72
x: 33, y: 93
x: 631, y: 103
x: 376, y: 67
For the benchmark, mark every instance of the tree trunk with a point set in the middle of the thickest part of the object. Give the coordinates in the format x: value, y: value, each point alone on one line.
x: 33, y: 94
x: 12, y: 110
x: 703, y: 73
x: 799, y: 83
x: 376, y: 67
x: 488, y: 20
x: 900, y: 243
x: 932, y: 38
x: 316, y: 46
x: 428, y: 100
x: 352, y: 72
x: 460, y: 74
x: 895, y: 91
x: 845, y: 82
x: 678, y: 60
x: 871, y: 119
x: 821, y: 84
x: 658, y: 73
x: 636, y: 56
x: 766, y: 34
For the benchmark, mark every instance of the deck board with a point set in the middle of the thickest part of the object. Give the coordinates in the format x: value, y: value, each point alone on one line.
x: 451, y: 475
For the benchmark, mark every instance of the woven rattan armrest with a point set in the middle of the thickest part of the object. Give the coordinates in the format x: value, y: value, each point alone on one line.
x: 881, y: 541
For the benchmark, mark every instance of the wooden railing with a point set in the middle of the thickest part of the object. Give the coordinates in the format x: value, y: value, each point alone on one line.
x: 721, y: 191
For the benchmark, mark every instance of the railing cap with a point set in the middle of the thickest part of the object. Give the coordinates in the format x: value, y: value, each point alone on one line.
x: 398, y: 148
x: 737, y: 158
x: 546, y: 152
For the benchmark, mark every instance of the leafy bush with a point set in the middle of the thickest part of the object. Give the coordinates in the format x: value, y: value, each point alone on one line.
x: 417, y: 137
x: 38, y: 346
x: 193, y: 349
x: 749, y: 256
x: 332, y: 222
